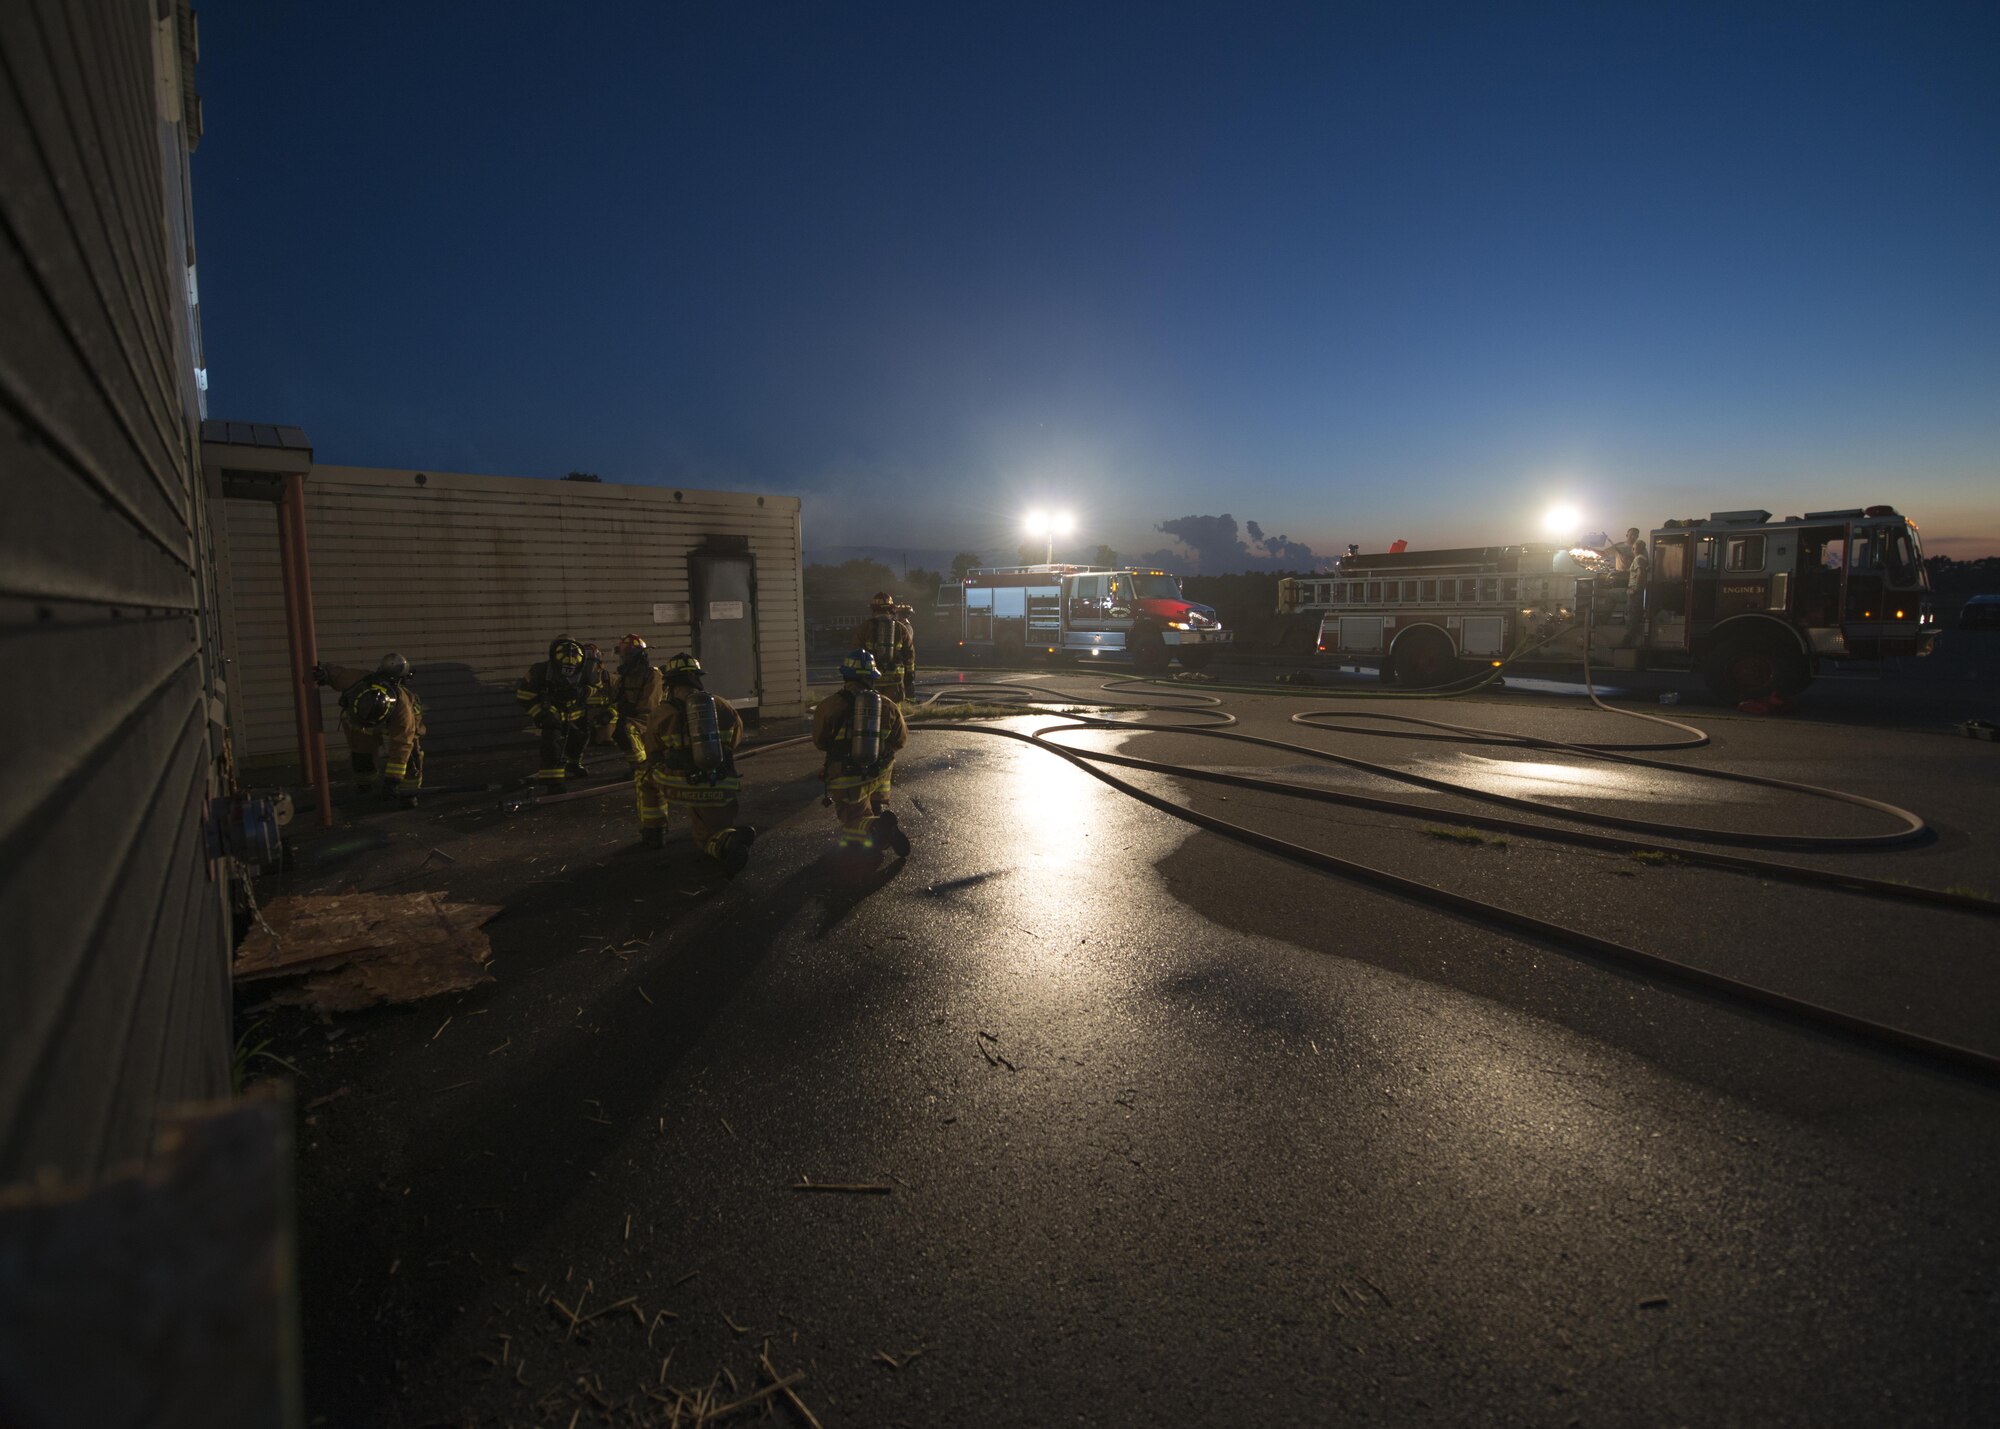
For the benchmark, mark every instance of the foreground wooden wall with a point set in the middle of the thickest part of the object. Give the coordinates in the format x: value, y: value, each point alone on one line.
x: 114, y: 994
x: 470, y: 577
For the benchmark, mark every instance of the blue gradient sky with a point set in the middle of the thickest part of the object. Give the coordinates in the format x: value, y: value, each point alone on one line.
x: 1355, y: 272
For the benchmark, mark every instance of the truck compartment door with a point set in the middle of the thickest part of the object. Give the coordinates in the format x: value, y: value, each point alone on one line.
x: 1359, y: 633
x: 1483, y: 635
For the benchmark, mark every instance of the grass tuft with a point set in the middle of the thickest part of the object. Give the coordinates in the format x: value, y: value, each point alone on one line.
x: 931, y: 714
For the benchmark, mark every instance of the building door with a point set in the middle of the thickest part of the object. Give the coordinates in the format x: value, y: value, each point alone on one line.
x: 725, y: 625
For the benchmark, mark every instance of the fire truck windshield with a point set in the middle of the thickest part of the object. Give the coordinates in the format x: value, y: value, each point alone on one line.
x: 1906, y: 557
x: 1901, y: 555
x: 1153, y: 586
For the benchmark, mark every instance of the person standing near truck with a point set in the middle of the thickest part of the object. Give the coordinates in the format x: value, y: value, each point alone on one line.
x: 888, y: 635
x: 1636, y: 576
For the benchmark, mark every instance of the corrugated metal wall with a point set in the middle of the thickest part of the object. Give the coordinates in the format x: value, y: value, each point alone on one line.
x: 470, y: 577
x: 114, y: 993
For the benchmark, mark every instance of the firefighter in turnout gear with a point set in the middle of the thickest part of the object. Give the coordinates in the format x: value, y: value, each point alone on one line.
x: 594, y: 674
x: 636, y: 691
x: 860, y: 731
x: 561, y: 697
x: 690, y: 749
x: 380, y: 714
x: 892, y: 640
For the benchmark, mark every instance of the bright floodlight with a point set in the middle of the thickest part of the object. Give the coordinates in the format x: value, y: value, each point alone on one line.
x: 1036, y: 523
x: 1562, y: 521
x: 1062, y: 523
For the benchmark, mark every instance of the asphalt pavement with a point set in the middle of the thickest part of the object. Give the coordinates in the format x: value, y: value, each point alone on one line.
x: 1155, y: 1128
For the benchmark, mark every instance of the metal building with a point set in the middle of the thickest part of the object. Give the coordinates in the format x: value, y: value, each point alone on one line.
x: 470, y: 577
x: 114, y: 963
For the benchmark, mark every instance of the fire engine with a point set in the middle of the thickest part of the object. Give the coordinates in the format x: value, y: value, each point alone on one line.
x: 1012, y: 612
x: 1755, y: 605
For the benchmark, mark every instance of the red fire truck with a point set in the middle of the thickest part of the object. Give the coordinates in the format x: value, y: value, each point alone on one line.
x: 1755, y: 605
x: 1012, y: 612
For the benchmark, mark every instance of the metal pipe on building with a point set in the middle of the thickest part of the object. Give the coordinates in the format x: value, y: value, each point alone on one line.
x: 296, y: 568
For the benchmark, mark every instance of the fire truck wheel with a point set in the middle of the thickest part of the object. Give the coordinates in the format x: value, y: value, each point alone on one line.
x: 1423, y: 659
x: 1195, y: 657
x: 1748, y: 665
x: 1149, y: 650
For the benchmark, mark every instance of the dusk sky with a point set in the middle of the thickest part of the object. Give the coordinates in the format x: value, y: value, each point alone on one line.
x: 1352, y: 272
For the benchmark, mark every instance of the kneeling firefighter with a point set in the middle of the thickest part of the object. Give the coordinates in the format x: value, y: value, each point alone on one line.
x: 636, y: 691
x: 560, y: 696
x: 888, y: 635
x: 691, y: 762
x: 380, y: 714
x: 860, y: 731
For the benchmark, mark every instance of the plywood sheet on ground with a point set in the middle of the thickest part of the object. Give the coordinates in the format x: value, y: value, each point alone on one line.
x: 342, y: 951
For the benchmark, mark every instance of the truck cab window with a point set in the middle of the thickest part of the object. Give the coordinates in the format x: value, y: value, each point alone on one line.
x: 1864, y: 549
x: 1901, y: 558
x: 1743, y: 553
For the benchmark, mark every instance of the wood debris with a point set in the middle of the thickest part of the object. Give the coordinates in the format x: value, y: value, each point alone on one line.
x: 859, y: 1188
x: 346, y: 951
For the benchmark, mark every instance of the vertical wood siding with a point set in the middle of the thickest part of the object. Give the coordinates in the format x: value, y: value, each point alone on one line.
x: 114, y: 993
x: 470, y: 577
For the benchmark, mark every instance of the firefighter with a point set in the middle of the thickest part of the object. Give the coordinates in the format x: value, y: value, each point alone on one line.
x: 860, y: 732
x: 888, y: 635
x: 1636, y: 575
x: 561, y: 698
x: 690, y: 761
x: 380, y: 713
x: 636, y: 689
x: 603, y: 719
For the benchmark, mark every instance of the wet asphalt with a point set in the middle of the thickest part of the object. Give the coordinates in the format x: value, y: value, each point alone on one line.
x: 1158, y: 1128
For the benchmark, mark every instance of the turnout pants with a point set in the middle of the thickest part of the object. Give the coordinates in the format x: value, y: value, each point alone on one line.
x: 562, y: 745
x: 857, y: 799
x: 629, y: 735
x: 710, y: 808
x: 362, y: 747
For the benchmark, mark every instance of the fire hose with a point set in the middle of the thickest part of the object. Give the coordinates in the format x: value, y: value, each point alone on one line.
x: 1792, y: 1009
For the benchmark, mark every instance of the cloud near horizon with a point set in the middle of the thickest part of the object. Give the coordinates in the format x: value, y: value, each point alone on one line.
x: 1218, y: 547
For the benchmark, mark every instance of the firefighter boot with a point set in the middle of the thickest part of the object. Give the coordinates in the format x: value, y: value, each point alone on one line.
x: 574, y: 769
x: 731, y: 848
x: 653, y: 836
x: 887, y: 833
x: 363, y: 766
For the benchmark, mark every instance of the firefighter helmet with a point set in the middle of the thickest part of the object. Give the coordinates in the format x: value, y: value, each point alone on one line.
x: 883, y: 602
x: 371, y: 706
x: 566, y: 659
x: 860, y: 667
x: 683, y: 669
x: 631, y: 652
x: 393, y: 667
x: 591, y: 653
